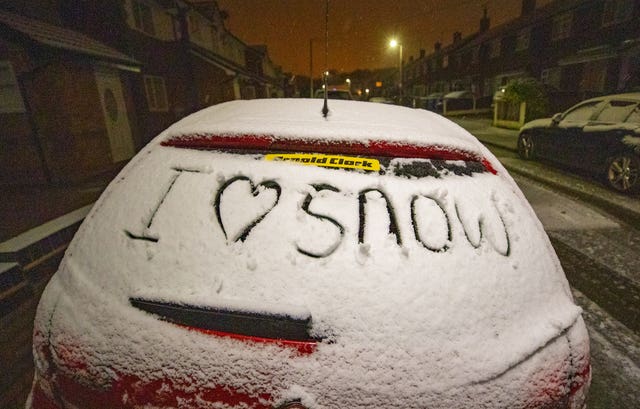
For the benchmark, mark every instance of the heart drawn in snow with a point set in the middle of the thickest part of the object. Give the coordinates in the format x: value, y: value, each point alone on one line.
x: 240, y: 205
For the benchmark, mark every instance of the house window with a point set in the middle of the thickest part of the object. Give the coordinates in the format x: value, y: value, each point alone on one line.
x: 561, y: 27
x: 249, y: 92
x: 593, y: 76
x: 496, y: 45
x: 156, y: 93
x: 194, y: 28
x: 475, y: 56
x: 551, y: 76
x: 617, y: 11
x: 10, y: 96
x: 522, y: 42
x: 143, y: 17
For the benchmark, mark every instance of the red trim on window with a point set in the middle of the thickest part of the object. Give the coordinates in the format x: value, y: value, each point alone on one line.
x: 372, y: 148
x: 304, y: 347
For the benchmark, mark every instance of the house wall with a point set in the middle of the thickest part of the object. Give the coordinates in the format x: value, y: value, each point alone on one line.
x: 74, y: 141
x: 214, y: 85
x: 19, y: 156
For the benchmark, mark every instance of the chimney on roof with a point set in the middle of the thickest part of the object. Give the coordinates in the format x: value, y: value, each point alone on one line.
x: 528, y: 6
x: 485, y: 21
x: 422, y: 52
x: 437, y: 46
x: 457, y: 36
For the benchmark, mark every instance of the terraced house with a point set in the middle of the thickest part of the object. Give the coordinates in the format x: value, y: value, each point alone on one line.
x: 577, y: 48
x: 85, y: 84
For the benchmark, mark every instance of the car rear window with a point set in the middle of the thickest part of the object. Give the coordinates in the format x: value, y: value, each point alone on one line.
x: 404, y: 160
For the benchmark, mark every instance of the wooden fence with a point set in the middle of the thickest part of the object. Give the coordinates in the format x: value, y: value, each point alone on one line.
x: 27, y: 262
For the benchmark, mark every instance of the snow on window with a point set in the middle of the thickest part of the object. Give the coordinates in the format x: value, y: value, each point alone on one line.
x: 583, y: 112
x: 616, y: 111
x: 634, y: 118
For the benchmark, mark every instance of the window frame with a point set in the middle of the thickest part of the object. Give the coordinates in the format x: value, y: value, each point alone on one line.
x: 11, y: 100
x: 156, y: 92
x: 617, y: 12
x: 523, y: 39
x: 495, y: 48
x: 562, y: 26
x: 143, y: 17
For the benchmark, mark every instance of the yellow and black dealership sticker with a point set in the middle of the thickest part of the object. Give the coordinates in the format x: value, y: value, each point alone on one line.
x: 329, y: 161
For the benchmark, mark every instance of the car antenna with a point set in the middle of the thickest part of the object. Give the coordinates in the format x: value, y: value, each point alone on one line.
x: 325, y: 107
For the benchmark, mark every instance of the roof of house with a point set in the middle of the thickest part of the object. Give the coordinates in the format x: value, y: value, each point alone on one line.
x: 62, y: 38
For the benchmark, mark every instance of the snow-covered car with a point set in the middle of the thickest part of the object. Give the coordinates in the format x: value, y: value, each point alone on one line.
x: 459, y: 100
x: 600, y: 136
x: 381, y: 100
x: 259, y: 255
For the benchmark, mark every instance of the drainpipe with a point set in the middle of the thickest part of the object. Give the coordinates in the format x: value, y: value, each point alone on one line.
x: 35, y: 134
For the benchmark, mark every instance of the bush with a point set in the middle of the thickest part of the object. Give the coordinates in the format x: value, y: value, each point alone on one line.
x: 530, y: 91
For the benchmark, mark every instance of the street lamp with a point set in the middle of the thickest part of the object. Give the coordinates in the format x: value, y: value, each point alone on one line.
x: 393, y: 44
x: 348, y: 81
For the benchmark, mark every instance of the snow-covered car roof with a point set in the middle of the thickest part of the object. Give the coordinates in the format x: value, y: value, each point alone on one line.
x: 347, y: 121
x: 626, y: 96
x: 437, y: 279
x: 458, y: 94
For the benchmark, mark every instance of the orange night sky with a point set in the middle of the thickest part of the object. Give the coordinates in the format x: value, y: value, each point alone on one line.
x: 359, y: 30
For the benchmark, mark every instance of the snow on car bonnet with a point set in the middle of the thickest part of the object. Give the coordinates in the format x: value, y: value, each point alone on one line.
x: 436, y: 270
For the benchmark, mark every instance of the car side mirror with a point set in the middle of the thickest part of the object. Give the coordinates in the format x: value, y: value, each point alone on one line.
x: 556, y: 118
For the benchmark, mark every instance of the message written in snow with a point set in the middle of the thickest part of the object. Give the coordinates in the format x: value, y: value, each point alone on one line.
x: 432, y: 222
x: 424, y: 210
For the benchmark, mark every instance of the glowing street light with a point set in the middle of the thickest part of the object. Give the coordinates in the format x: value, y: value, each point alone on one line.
x: 393, y: 44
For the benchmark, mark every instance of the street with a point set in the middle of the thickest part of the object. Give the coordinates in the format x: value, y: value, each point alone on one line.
x: 599, y: 254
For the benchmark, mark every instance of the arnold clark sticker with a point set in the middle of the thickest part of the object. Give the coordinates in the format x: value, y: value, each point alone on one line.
x: 330, y: 161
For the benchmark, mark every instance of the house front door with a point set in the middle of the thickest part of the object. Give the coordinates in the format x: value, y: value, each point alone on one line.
x: 114, y: 113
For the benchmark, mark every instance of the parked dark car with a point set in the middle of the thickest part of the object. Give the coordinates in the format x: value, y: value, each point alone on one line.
x: 600, y: 135
x: 434, y: 102
x: 459, y: 100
